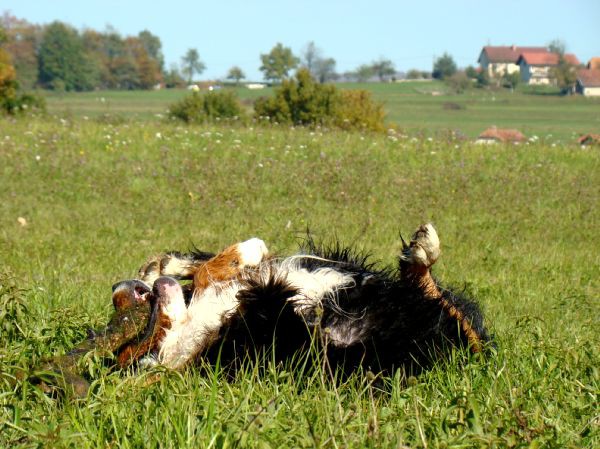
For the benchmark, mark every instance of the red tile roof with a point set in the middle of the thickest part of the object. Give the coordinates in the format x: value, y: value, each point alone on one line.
x: 536, y: 58
x: 502, y: 135
x: 509, y: 54
x: 594, y: 63
x: 589, y: 77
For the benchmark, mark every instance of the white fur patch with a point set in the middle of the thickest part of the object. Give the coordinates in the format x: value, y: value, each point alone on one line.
x: 312, y: 286
x: 205, y: 315
x: 251, y: 252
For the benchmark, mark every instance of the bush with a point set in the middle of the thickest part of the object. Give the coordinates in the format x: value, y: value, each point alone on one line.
x: 21, y: 103
x: 200, y: 108
x: 11, y: 100
x: 357, y: 110
x: 303, y: 101
x: 458, y: 82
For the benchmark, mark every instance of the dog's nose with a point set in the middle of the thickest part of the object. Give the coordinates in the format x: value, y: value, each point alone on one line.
x: 128, y: 293
x: 165, y: 285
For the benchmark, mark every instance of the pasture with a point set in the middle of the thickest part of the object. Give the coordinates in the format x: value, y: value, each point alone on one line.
x: 417, y: 108
x: 85, y: 202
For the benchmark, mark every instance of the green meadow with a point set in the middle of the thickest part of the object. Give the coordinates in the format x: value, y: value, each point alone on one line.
x: 417, y: 108
x: 87, y: 198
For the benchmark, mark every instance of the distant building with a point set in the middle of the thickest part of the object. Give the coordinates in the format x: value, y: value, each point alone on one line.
x: 496, y: 61
x: 536, y: 66
x: 588, y: 82
x: 594, y: 63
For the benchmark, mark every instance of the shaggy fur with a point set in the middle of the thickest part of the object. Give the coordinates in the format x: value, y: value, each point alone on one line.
x: 243, y: 302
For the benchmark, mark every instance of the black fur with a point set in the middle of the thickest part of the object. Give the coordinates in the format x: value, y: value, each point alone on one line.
x: 381, y: 323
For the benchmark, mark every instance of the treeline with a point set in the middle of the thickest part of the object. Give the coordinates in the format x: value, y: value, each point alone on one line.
x: 58, y: 56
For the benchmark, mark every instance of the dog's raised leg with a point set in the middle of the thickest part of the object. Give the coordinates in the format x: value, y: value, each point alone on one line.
x: 418, y: 257
x: 416, y: 261
x: 174, y: 264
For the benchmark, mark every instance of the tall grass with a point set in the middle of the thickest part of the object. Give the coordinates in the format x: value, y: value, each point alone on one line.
x: 519, y: 229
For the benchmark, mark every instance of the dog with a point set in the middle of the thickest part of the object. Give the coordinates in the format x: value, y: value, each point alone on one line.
x: 244, y: 301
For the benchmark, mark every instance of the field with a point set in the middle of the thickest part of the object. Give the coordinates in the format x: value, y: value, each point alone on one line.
x: 86, y: 201
x: 417, y: 108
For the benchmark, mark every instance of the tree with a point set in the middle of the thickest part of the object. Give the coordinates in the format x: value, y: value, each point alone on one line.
x: 320, y: 67
x: 511, y: 80
x: 278, y: 62
x: 564, y: 73
x: 192, y: 64
x: 364, y: 73
x: 471, y: 72
x: 458, y: 82
x: 557, y: 46
x: 324, y: 69
x: 22, y: 43
x: 62, y: 60
x: 413, y: 74
x: 483, y: 79
x: 383, y: 68
x: 173, y: 78
x: 8, y: 76
x: 149, y: 72
x: 153, y: 47
x: 236, y: 74
x: 444, y: 67
x: 310, y: 55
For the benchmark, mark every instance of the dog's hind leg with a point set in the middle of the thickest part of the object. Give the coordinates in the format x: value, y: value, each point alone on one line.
x: 416, y: 261
x: 417, y: 258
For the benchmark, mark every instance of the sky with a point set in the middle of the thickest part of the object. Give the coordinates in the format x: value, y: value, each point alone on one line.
x: 409, y: 33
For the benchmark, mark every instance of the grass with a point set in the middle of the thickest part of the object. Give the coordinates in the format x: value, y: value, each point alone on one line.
x: 410, y: 105
x: 519, y: 229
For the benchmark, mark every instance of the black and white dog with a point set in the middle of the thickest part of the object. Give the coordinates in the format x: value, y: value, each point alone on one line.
x: 243, y: 301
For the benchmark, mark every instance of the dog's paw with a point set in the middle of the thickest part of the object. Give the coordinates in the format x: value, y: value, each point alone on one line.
x: 251, y: 252
x: 424, y: 247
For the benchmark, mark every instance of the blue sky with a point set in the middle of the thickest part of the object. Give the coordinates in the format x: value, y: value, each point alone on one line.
x: 410, y: 33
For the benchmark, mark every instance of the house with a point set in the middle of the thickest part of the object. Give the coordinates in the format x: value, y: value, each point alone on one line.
x: 588, y: 82
x: 500, y: 135
x: 496, y: 61
x: 536, y: 66
x: 594, y: 63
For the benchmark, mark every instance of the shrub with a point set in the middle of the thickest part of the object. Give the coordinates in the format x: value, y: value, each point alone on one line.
x: 299, y: 101
x: 199, y: 108
x: 357, y: 110
x: 11, y: 100
x: 458, y: 82
x: 303, y: 101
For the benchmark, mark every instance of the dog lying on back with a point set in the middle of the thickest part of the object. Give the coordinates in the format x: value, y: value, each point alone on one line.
x: 243, y: 301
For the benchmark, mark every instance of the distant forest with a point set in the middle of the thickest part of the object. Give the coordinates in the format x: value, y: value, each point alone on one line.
x: 59, y: 57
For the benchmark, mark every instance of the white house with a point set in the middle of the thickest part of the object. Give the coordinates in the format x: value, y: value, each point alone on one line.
x: 588, y: 82
x: 536, y: 67
x: 497, y: 61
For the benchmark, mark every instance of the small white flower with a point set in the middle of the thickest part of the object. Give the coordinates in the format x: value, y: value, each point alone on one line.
x: 38, y: 157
